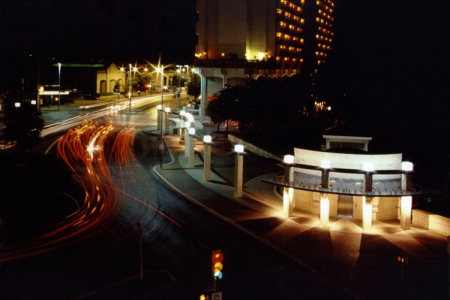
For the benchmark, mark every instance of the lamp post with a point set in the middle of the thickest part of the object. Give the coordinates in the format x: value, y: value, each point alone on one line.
x: 130, y: 87
x: 140, y: 250
x: 238, y: 170
x: 167, y: 110
x: 207, y: 154
x: 59, y: 84
x: 177, y: 94
x: 191, y: 146
x: 161, y: 71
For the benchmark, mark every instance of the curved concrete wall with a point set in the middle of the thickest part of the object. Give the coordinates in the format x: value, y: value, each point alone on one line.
x: 348, y: 161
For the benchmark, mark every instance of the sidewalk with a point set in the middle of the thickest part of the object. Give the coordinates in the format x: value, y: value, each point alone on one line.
x: 362, y: 263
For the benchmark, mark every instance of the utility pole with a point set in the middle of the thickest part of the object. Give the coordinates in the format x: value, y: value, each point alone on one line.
x: 140, y: 250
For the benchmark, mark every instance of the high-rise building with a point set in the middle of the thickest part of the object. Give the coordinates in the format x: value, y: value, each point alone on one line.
x: 241, y: 38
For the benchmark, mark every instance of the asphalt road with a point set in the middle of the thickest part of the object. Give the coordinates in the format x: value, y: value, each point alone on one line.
x: 177, y: 240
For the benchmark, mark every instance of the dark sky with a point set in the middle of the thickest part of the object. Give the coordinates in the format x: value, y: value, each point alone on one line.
x: 79, y: 30
x: 393, y: 53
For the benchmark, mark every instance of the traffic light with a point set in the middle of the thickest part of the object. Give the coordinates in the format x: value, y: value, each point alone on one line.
x: 402, y: 258
x: 203, y: 297
x: 217, y: 266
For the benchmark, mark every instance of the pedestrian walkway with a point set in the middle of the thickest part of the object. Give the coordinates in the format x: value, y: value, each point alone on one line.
x: 362, y: 263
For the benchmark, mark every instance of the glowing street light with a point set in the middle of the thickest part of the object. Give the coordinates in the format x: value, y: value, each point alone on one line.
x: 161, y: 71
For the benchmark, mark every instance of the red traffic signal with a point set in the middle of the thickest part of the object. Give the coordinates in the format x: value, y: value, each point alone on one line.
x: 217, y: 266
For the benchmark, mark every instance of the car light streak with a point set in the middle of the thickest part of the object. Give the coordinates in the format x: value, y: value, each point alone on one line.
x: 82, y: 149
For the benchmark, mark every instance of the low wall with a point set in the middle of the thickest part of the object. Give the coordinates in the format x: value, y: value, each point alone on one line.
x: 348, y: 161
x: 431, y: 221
x: 252, y: 148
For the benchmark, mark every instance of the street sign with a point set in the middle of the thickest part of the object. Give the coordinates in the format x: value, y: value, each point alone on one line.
x: 216, y: 296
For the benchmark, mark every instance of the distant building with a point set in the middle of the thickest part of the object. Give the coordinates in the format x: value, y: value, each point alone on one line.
x: 241, y: 38
x: 114, y: 78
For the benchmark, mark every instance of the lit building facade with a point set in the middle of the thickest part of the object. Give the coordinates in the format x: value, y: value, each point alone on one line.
x: 241, y: 38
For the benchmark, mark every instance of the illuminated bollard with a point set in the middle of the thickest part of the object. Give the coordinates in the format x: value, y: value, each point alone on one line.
x: 207, y: 155
x: 167, y: 110
x: 238, y: 170
x: 191, y: 146
x: 182, y: 122
x: 288, y: 192
x: 159, y: 108
x: 186, y: 138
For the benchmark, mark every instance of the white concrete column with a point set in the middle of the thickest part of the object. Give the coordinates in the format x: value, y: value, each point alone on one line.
x: 159, y: 109
x: 207, y: 157
x: 406, y: 201
x: 324, y: 210
x: 238, y: 170
x: 167, y: 110
x: 405, y: 212
x: 186, y: 142
x: 238, y: 175
x: 367, y: 213
x: 203, y: 99
x: 191, y: 147
x: 367, y: 200
x: 288, y: 192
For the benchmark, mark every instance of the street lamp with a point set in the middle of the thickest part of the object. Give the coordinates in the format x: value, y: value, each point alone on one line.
x: 130, y: 87
x: 161, y: 71
x: 181, y: 69
x: 59, y: 84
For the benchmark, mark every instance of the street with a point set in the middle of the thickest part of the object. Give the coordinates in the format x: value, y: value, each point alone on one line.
x: 178, y: 238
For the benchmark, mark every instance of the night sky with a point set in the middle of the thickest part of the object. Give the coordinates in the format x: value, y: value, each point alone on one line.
x: 394, y: 55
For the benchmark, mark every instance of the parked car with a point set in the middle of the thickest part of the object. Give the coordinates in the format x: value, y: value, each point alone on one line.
x: 91, y: 96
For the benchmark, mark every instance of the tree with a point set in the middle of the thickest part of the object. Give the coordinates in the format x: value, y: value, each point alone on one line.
x: 23, y: 125
x: 194, y: 86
